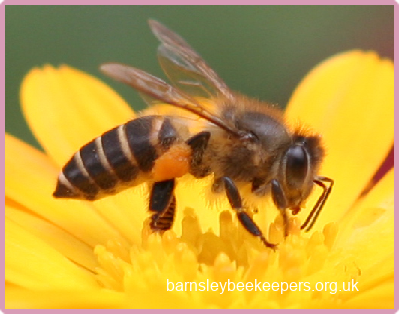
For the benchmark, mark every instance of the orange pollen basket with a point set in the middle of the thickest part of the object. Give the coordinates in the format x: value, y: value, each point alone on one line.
x: 172, y: 164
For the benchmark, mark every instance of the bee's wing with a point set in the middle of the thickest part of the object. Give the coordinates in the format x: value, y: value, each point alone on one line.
x: 156, y: 88
x: 185, y: 68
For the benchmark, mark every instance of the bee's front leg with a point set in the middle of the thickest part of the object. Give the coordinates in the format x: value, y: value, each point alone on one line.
x: 236, y: 203
x: 280, y: 200
x: 163, y: 204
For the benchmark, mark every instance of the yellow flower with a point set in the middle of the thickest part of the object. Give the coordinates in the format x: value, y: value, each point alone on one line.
x: 81, y: 254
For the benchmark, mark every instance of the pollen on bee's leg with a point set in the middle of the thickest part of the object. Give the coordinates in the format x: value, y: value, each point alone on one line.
x: 172, y: 164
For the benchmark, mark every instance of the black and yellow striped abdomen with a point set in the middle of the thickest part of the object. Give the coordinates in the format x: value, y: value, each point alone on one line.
x: 120, y: 158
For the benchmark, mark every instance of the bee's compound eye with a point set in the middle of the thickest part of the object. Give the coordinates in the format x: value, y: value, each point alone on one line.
x: 297, y: 162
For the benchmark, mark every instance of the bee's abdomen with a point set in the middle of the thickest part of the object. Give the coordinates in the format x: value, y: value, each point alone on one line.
x: 119, y: 158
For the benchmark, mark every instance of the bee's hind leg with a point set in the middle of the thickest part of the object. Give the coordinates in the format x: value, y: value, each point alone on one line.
x: 163, y: 205
x: 247, y: 222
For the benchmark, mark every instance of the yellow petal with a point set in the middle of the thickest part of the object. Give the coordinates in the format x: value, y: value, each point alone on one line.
x: 374, y: 289
x: 368, y: 209
x: 57, y: 238
x: 30, y: 180
x: 31, y: 263
x: 380, y: 297
x: 17, y: 298
x: 20, y: 298
x: 368, y: 243
x: 66, y: 108
x: 125, y: 211
x: 163, y: 300
x: 349, y: 100
x: 366, y: 246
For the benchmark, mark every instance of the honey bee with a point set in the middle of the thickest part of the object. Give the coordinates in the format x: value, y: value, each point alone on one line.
x: 240, y: 141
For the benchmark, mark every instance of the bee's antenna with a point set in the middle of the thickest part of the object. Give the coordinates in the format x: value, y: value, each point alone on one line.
x: 312, y: 217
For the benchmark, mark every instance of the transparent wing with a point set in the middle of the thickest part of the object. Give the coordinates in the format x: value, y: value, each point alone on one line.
x: 156, y: 88
x: 184, y: 76
x: 185, y: 68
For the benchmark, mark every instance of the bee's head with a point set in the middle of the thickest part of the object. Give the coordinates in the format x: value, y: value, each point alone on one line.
x: 299, y: 168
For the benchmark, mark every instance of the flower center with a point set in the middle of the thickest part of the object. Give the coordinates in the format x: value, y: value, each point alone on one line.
x: 233, y: 254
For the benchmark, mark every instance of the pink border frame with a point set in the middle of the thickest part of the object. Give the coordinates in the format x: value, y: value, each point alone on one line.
x: 175, y: 2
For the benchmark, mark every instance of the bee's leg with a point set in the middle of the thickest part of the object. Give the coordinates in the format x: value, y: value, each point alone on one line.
x: 163, y: 205
x: 235, y: 202
x: 198, y: 144
x: 281, y: 202
x: 164, y: 221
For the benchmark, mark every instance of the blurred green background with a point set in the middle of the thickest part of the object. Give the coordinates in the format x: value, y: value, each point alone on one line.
x: 261, y: 51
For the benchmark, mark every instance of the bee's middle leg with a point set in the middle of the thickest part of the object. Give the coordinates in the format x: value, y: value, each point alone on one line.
x: 162, y: 204
x: 236, y: 203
